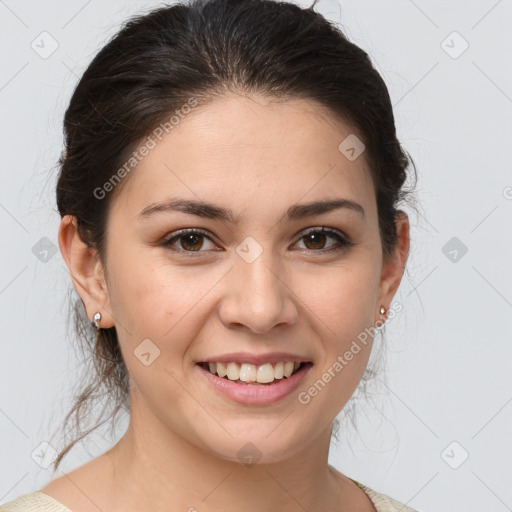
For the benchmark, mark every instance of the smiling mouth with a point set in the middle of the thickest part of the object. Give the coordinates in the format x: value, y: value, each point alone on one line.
x: 264, y: 374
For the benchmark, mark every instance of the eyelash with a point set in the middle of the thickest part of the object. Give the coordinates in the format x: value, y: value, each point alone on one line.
x: 344, y: 242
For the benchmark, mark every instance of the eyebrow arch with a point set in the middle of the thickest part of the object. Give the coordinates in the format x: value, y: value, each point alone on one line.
x: 211, y: 211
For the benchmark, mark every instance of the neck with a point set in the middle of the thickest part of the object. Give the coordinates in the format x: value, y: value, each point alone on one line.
x: 154, y: 467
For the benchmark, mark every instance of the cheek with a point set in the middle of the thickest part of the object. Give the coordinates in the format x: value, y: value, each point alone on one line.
x: 157, y: 300
x: 150, y: 303
x: 139, y: 294
x: 143, y: 304
x: 343, y: 312
x: 343, y: 298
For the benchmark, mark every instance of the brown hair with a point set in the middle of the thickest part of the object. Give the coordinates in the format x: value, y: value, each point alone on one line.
x: 154, y: 65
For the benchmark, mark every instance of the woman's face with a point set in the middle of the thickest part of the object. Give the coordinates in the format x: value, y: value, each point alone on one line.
x: 259, y: 286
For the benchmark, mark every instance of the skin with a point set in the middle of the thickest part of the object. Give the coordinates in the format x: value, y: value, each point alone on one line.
x: 257, y: 157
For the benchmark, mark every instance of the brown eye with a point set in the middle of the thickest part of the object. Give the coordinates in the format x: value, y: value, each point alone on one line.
x: 316, y: 238
x: 192, y: 240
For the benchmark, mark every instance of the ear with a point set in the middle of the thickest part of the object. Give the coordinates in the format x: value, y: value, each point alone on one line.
x: 86, y: 271
x: 393, y: 268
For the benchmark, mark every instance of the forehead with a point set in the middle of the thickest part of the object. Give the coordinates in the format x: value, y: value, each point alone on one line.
x: 239, y: 149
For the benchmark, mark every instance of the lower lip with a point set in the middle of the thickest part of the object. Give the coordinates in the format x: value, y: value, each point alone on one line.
x: 258, y: 394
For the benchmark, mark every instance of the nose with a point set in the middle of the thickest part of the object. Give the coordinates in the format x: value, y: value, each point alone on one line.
x: 257, y: 296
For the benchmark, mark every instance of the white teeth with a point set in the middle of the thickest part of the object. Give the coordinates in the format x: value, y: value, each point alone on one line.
x: 279, y: 371
x: 288, y: 368
x: 264, y: 373
x: 247, y: 373
x: 233, y: 371
x: 221, y: 369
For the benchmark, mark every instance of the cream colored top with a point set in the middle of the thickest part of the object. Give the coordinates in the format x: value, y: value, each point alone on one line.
x: 37, y: 501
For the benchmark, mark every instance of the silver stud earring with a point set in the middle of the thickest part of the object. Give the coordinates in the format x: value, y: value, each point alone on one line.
x: 96, y: 320
x: 382, y: 310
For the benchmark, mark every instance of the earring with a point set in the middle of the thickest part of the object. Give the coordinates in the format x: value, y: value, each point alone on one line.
x: 382, y: 310
x: 96, y: 320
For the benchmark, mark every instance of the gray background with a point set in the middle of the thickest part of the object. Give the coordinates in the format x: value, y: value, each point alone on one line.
x: 449, y: 352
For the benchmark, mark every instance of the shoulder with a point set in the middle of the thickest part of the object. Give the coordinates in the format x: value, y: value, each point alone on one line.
x: 54, y: 494
x: 35, y: 501
x: 382, y: 502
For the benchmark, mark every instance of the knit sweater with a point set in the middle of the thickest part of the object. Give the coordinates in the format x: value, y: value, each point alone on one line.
x: 37, y: 501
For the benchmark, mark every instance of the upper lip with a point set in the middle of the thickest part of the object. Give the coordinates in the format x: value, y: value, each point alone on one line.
x: 256, y: 359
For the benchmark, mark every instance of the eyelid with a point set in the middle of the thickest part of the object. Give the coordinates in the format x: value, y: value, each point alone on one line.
x: 182, y: 232
x: 344, y: 241
x: 324, y: 229
x: 333, y: 232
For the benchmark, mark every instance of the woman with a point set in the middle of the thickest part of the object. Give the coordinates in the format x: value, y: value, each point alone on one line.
x: 228, y: 194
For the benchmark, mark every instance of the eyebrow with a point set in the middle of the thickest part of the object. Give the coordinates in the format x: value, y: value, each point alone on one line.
x: 212, y: 211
